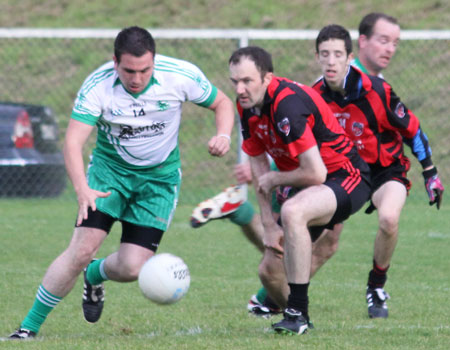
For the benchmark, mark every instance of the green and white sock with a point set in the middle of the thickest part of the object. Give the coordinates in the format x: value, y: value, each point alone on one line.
x: 43, y: 304
x: 95, y: 272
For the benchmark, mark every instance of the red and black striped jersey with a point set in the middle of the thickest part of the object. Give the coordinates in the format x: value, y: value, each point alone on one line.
x: 293, y: 119
x: 375, y: 119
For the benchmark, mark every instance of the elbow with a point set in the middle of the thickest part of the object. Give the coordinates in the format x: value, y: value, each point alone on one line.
x: 323, y: 177
x: 321, y: 174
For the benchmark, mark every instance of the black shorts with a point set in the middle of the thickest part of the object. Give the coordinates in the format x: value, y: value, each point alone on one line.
x: 147, y: 237
x: 394, y: 172
x: 352, y: 189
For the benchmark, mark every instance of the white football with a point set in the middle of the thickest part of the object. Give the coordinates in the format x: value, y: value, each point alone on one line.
x: 164, y: 278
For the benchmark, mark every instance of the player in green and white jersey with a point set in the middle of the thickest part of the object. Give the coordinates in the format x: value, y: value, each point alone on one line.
x: 379, y: 35
x: 134, y: 177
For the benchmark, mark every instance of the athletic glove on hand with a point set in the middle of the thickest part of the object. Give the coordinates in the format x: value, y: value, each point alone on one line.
x: 283, y: 193
x: 433, y: 186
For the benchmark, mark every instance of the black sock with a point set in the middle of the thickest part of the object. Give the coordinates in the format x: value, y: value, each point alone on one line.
x: 268, y: 302
x: 377, y: 276
x: 298, y: 298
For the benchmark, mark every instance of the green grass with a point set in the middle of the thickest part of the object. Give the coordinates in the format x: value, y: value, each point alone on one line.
x: 223, y: 269
x: 223, y: 264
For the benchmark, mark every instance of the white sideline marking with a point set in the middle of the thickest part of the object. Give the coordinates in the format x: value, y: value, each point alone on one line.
x: 182, y: 332
x: 410, y: 327
x: 438, y: 235
x: 191, y: 331
x: 365, y: 326
x: 32, y: 340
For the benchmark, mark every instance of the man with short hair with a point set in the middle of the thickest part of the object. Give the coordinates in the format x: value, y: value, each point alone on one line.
x: 290, y: 122
x: 378, y: 123
x: 379, y: 35
x: 134, y: 175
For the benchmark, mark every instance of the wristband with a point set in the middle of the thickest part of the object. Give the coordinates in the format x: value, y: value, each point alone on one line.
x: 226, y: 136
x: 429, y: 173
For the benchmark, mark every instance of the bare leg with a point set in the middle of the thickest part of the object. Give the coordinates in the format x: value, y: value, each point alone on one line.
x: 63, y: 272
x: 312, y: 206
x: 125, y: 264
x: 389, y: 200
x: 273, y: 277
x: 254, y: 232
x: 325, y: 247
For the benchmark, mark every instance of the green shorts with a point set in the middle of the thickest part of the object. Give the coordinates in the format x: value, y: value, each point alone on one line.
x: 140, y: 197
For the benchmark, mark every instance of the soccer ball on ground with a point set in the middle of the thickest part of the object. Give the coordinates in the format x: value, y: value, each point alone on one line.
x: 164, y: 278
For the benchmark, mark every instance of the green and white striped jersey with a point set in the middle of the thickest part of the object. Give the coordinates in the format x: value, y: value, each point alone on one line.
x: 141, y: 130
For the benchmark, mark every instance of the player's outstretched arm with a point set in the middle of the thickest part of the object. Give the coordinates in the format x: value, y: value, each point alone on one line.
x: 76, y: 136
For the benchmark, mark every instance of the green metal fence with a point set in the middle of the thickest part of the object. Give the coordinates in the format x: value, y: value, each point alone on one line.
x: 48, y: 67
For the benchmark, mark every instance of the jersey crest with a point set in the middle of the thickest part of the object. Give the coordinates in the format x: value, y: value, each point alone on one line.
x: 357, y: 128
x: 284, y: 126
x: 400, y: 110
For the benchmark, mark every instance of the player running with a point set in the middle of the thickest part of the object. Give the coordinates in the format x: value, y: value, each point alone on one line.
x: 379, y: 124
x: 134, y: 176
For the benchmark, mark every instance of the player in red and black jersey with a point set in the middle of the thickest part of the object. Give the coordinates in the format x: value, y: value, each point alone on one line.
x: 379, y: 124
x: 293, y: 124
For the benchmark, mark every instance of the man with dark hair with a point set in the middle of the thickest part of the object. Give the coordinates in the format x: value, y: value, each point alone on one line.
x: 379, y: 35
x: 378, y: 123
x: 291, y: 122
x: 134, y: 176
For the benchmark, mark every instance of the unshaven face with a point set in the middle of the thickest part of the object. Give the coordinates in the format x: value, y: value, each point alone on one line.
x: 248, y: 85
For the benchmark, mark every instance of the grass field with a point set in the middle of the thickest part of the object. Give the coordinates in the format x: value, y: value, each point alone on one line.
x: 223, y: 276
x: 304, y: 14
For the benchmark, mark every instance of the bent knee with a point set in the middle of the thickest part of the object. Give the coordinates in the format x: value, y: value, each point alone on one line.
x: 130, y: 270
x: 292, y: 213
x: 270, y: 266
x: 81, y: 257
x: 389, y: 224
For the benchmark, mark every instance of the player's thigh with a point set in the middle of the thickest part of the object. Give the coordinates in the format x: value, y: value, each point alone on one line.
x: 133, y: 254
x: 314, y: 205
x: 390, y: 198
x: 154, y: 202
x: 85, y: 242
x: 106, y: 176
x: 147, y: 237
